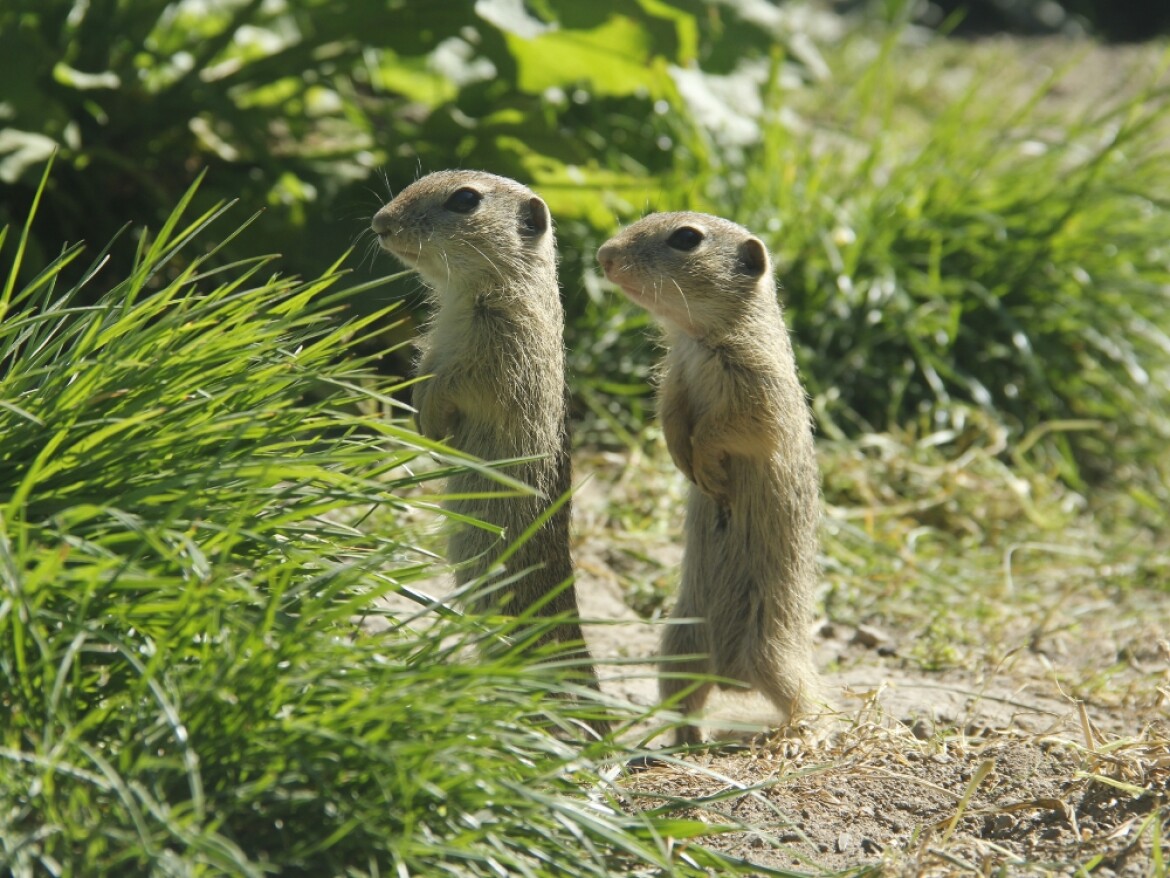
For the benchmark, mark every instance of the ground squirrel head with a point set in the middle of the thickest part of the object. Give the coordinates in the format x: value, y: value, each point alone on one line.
x: 696, y: 272
x: 467, y: 230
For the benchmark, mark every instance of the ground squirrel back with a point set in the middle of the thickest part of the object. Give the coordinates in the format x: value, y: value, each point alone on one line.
x: 738, y: 425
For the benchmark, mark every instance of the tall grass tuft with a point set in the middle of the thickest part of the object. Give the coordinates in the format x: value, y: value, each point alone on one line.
x: 944, y: 247
x: 190, y: 471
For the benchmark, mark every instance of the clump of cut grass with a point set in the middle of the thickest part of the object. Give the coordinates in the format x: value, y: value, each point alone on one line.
x: 188, y: 478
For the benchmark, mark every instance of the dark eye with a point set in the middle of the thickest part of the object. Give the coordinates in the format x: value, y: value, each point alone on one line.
x: 463, y: 201
x: 685, y: 239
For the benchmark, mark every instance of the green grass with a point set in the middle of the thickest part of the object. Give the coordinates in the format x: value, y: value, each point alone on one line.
x: 967, y: 558
x: 204, y: 493
x: 204, y: 497
x: 972, y: 246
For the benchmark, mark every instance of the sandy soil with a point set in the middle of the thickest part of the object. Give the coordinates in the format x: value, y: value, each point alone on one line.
x: 959, y: 771
x: 884, y: 784
x: 1050, y: 779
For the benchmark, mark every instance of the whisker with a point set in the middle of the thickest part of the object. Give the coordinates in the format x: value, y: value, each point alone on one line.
x: 446, y: 262
x: 373, y: 248
x: 488, y: 259
x: 686, y: 304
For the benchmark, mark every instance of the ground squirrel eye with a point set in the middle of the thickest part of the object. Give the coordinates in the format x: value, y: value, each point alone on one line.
x: 464, y: 200
x: 685, y: 239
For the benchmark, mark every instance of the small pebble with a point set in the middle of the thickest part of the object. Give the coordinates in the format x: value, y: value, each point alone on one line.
x: 1000, y: 824
x: 870, y: 637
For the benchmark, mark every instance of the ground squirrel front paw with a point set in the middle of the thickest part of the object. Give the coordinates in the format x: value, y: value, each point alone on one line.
x: 435, y: 417
x: 681, y: 455
x: 710, y: 474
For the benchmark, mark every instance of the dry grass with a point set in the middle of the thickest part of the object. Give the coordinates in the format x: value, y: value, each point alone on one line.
x: 997, y: 643
x: 879, y: 795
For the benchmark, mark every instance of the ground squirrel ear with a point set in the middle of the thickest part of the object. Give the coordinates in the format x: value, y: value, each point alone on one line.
x: 753, y: 257
x: 536, y: 216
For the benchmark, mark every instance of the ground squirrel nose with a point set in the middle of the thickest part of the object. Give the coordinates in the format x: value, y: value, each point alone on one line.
x: 605, y: 257
x: 380, y: 223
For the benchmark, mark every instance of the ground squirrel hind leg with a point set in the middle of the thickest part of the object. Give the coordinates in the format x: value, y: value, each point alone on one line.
x: 572, y: 638
x: 792, y: 687
x: 677, y: 674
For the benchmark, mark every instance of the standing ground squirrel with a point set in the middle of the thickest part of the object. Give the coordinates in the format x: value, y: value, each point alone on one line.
x: 738, y: 425
x: 494, y: 352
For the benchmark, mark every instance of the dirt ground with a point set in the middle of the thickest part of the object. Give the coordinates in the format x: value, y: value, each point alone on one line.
x: 961, y: 771
x: 1050, y: 780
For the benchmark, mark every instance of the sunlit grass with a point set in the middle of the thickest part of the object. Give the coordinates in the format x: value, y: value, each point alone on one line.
x: 949, y: 239
x: 953, y: 228
x: 205, y: 495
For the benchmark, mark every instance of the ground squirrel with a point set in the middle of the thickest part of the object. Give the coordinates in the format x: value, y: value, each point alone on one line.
x: 738, y: 425
x: 494, y: 351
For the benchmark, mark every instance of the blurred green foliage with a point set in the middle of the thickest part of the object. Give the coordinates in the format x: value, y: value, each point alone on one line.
x: 298, y: 107
x: 942, y: 249
x: 1121, y: 20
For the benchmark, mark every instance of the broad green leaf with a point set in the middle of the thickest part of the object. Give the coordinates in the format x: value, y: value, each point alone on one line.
x: 615, y: 58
